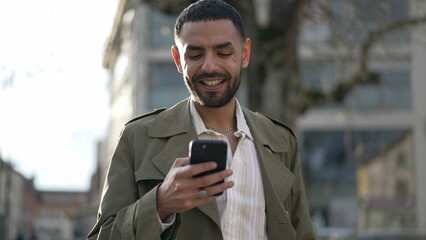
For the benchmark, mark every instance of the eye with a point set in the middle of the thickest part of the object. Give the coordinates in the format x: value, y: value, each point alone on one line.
x: 194, y: 55
x: 224, y: 54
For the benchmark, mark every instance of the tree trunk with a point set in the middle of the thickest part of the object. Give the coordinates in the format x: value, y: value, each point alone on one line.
x: 280, y: 88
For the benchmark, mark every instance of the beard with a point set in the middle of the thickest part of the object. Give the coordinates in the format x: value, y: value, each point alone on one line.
x: 213, y: 99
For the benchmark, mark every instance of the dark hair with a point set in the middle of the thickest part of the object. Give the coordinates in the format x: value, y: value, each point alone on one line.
x: 208, y: 10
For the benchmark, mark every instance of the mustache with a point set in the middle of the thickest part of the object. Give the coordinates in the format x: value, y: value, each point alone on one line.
x: 202, y: 75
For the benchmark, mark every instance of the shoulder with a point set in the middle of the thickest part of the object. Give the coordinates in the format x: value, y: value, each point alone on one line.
x: 145, y: 117
x: 140, y: 125
x: 269, y: 121
x: 281, y: 125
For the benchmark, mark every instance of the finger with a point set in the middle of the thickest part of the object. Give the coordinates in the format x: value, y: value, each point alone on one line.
x: 195, y: 169
x: 220, y: 187
x: 201, y: 201
x: 208, y: 180
x: 181, y: 162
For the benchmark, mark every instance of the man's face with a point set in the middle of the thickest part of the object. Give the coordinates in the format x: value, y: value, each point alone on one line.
x: 210, y: 55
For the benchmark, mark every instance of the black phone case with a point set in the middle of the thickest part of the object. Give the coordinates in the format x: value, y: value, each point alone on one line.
x: 202, y: 150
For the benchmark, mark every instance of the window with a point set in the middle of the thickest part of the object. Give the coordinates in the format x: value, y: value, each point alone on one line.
x: 401, y: 160
x: 401, y: 189
x: 362, y: 16
x: 161, y: 29
x: 166, y: 86
x: 332, y: 161
x: 393, y: 90
x: 372, y: 14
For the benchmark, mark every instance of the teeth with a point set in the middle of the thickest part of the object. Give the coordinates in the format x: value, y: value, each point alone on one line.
x: 212, y: 83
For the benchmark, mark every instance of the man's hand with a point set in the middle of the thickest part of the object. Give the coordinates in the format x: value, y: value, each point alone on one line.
x: 179, y: 191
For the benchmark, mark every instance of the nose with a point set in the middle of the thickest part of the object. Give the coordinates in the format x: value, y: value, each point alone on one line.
x: 209, y: 64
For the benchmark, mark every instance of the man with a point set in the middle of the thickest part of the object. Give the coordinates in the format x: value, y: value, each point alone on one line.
x: 150, y: 191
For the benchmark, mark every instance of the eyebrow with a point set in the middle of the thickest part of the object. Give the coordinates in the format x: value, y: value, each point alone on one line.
x: 222, y: 45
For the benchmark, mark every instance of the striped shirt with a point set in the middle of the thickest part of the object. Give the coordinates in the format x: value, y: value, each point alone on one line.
x: 242, y: 207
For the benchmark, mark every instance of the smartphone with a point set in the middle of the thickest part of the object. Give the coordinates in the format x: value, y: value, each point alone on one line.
x: 201, y: 150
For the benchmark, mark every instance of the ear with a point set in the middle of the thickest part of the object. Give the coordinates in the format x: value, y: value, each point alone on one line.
x: 246, y: 53
x: 176, y: 58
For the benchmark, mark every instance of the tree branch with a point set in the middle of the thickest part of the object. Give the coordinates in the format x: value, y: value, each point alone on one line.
x: 326, y: 12
x: 315, y: 97
x: 374, y: 36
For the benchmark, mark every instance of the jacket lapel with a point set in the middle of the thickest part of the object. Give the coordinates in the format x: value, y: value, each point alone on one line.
x: 176, y: 124
x: 272, y: 150
x: 277, y: 178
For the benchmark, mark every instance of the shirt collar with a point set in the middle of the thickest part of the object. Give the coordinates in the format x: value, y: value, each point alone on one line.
x: 200, y: 128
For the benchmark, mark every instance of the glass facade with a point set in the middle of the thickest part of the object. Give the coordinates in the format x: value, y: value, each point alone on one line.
x: 354, y: 176
x: 391, y: 92
x: 161, y: 29
x: 373, y: 14
x: 351, y: 21
x: 166, y: 86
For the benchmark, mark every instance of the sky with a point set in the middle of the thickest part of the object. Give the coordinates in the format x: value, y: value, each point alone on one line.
x: 53, y: 88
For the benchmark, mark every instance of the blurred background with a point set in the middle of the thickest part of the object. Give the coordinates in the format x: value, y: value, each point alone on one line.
x: 348, y: 75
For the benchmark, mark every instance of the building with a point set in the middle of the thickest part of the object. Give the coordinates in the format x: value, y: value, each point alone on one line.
x: 386, y: 187
x: 336, y: 137
x: 17, y: 204
x: 143, y: 76
x: 30, y: 209
x: 58, y: 215
x: 27, y: 213
x: 17, y: 207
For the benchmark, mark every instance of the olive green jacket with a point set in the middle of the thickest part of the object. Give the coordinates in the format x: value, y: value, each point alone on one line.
x: 146, y: 151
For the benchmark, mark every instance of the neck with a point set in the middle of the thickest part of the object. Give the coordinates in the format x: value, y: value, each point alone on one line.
x: 218, y: 118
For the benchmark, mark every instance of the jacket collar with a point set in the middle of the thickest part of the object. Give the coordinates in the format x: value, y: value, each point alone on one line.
x: 173, y: 121
x: 264, y: 132
x: 177, y: 120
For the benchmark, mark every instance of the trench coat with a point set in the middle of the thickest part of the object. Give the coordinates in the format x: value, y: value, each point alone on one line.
x: 146, y: 150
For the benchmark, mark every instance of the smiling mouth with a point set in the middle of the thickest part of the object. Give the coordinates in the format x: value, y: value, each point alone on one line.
x: 212, y: 83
